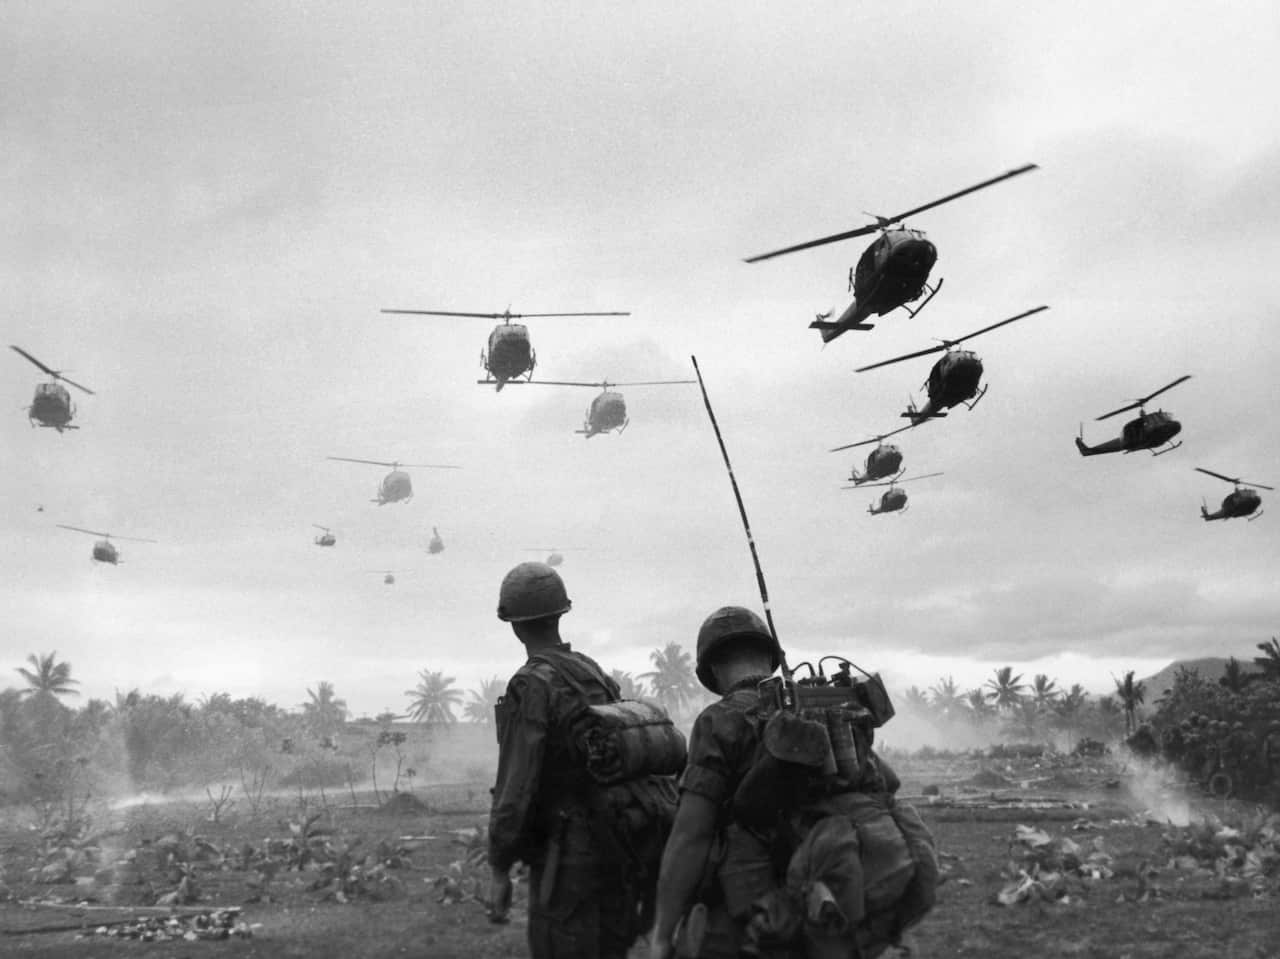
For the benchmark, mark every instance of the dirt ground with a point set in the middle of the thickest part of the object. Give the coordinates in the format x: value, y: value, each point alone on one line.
x: 1134, y: 897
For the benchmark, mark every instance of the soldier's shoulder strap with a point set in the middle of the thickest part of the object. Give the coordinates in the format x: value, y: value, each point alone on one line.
x: 576, y: 670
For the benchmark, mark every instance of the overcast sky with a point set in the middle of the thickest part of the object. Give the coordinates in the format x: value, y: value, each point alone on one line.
x: 205, y: 206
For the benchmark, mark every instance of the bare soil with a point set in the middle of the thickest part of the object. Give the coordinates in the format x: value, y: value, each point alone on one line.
x: 1146, y: 909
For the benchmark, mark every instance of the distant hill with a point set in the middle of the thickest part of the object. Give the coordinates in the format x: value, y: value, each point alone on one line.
x: 1209, y: 668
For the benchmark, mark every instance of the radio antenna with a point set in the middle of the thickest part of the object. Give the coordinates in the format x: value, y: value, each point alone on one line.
x: 746, y: 525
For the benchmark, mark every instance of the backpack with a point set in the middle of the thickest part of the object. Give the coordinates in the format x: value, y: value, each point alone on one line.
x: 632, y: 752
x: 858, y: 864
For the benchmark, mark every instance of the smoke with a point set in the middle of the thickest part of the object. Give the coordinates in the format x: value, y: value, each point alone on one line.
x: 1159, y: 789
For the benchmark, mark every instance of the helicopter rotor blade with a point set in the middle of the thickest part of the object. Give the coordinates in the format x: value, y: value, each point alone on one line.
x: 56, y: 374
x: 947, y: 344
x: 81, y: 529
x: 922, y: 476
x: 1150, y: 397
x: 899, y: 359
x: 20, y: 350
x: 874, y: 439
x: 501, y: 316
x: 1140, y: 403
x: 653, y: 383
x: 893, y: 482
x: 424, y: 466
x: 1027, y: 168
x: 348, y: 459
x: 1232, y: 479
x: 883, y: 222
x: 834, y: 238
x: 564, y: 383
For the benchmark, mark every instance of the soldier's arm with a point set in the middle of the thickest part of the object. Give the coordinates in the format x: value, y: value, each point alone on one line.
x: 683, y: 862
x: 523, y: 744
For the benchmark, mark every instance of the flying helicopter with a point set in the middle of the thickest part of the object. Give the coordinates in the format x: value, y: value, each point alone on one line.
x: 892, y: 272
x: 510, y: 353
x: 893, y: 499
x: 396, y: 485
x: 437, y: 544
x: 51, y: 406
x: 326, y: 538
x: 608, y: 410
x: 884, y: 460
x: 554, y: 556
x: 104, y: 551
x: 1147, y: 432
x: 388, y: 575
x: 954, y: 378
x: 1241, y: 501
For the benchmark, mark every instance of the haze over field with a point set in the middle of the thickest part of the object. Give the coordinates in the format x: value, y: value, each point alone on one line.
x: 204, y: 208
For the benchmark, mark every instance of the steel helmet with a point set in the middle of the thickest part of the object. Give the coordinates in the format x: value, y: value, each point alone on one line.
x: 532, y: 591
x: 726, y: 623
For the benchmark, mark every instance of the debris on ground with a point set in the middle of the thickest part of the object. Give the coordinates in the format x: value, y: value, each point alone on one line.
x: 213, y: 925
x: 1048, y: 869
x: 1228, y: 861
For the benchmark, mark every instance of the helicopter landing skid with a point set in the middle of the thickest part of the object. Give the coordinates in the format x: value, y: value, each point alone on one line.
x: 1168, y: 449
x: 933, y: 291
x: 980, y: 395
x: 1255, y: 516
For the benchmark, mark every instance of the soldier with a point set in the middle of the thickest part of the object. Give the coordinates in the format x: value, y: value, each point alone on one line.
x: 582, y: 903
x: 735, y: 653
x: 776, y: 806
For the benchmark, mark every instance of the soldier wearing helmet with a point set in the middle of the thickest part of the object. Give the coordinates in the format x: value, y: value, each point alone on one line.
x: 736, y: 651
x: 581, y: 901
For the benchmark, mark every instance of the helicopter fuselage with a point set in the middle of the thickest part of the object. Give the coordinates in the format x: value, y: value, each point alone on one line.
x: 510, y: 353
x: 326, y: 539
x: 883, y: 461
x: 396, y: 486
x: 891, y: 273
x: 1149, y: 431
x: 51, y: 406
x: 891, y: 500
x: 608, y: 411
x: 954, y: 379
x: 1239, y: 502
x: 104, y: 551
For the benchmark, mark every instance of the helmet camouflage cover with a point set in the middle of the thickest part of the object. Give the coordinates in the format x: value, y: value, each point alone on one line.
x: 730, y: 623
x: 532, y: 591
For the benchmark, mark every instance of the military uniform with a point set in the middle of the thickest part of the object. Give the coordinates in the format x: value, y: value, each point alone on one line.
x: 581, y: 900
x: 722, y: 746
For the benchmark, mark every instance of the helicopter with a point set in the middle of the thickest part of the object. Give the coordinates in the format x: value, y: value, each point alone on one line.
x: 51, y: 406
x: 1241, y: 501
x: 881, y: 462
x: 104, y: 551
x: 326, y: 538
x: 510, y: 354
x: 954, y: 378
x: 892, y: 272
x: 1147, y: 432
x: 608, y: 410
x: 395, y: 485
x: 893, y: 499
x: 437, y: 544
x: 555, y: 556
x: 388, y: 575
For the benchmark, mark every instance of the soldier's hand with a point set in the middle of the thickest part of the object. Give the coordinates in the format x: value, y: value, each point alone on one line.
x: 500, y: 896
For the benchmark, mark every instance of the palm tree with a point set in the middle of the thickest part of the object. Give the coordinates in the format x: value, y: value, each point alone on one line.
x: 1023, y: 721
x: 947, y: 699
x: 980, y: 707
x: 672, y: 677
x: 433, y: 699
x: 1132, y: 694
x: 483, y: 700
x: 628, y: 686
x: 1006, y: 688
x: 916, y: 700
x: 48, y: 677
x: 324, y: 712
x: 1269, y: 661
x: 1068, y: 709
x: 1234, y: 676
x: 1044, y: 691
